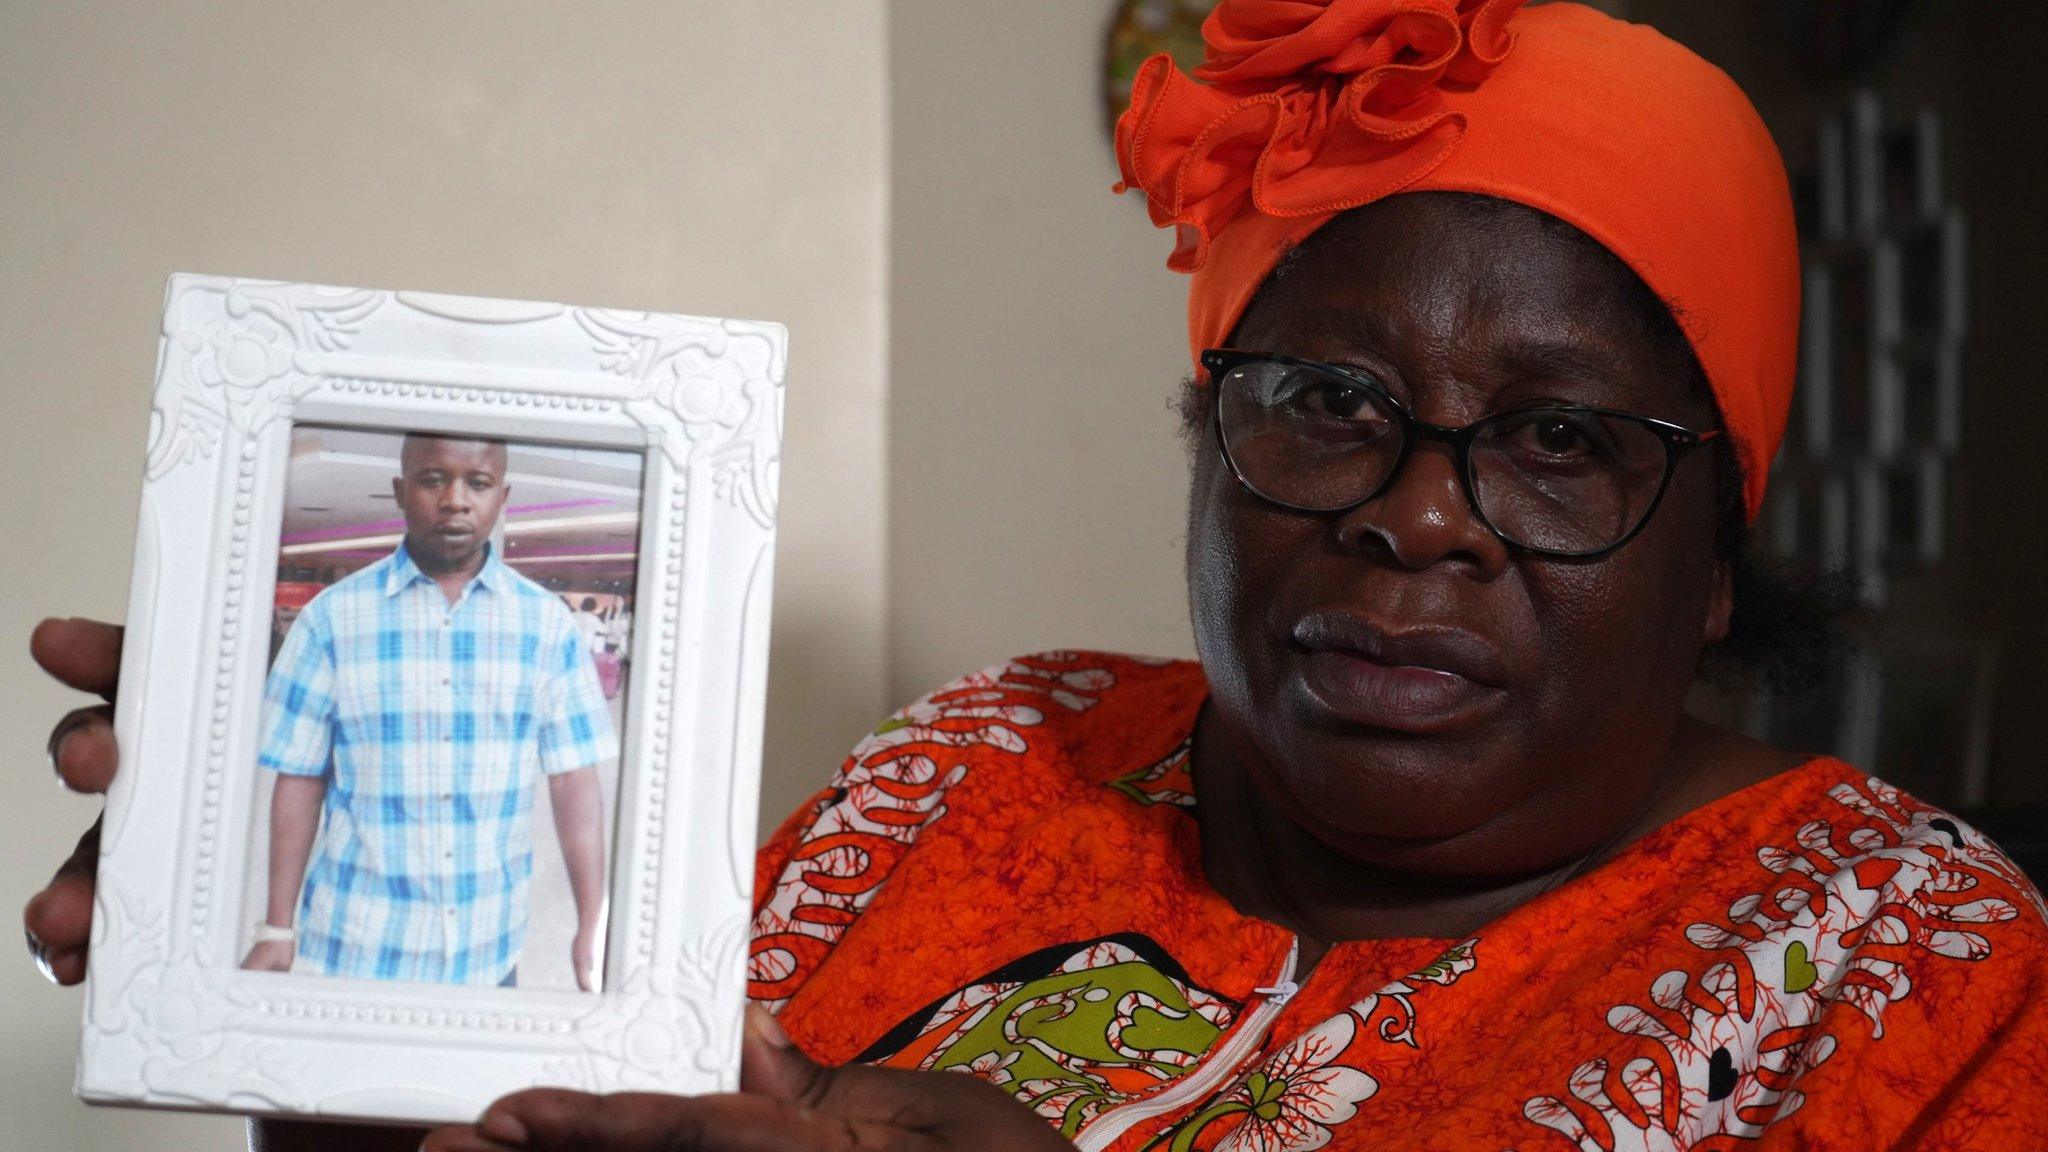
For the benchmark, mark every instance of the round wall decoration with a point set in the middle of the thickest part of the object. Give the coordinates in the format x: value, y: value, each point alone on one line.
x: 1141, y: 29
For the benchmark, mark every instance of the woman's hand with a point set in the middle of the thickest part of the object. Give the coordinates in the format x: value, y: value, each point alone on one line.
x: 85, y: 654
x: 787, y: 1103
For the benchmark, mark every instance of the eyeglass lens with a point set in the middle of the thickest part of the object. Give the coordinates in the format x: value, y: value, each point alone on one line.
x: 1557, y: 480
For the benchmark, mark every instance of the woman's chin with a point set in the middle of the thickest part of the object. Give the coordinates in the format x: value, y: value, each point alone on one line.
x: 1391, y: 798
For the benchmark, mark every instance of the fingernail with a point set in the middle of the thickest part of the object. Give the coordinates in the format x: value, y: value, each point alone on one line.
x: 503, y: 1127
x: 767, y: 1027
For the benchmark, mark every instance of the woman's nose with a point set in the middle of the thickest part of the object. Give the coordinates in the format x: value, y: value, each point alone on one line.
x: 1423, y: 517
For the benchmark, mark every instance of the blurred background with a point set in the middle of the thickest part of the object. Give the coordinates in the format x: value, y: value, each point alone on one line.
x: 981, y: 458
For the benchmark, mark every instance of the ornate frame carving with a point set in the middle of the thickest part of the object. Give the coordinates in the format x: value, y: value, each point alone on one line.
x: 170, y: 1021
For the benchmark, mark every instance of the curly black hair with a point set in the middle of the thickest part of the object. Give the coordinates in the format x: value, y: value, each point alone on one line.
x: 1787, y: 632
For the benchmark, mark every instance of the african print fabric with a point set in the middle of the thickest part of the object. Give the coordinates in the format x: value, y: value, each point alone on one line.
x: 1004, y: 881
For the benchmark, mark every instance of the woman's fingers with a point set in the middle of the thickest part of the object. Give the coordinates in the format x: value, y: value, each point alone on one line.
x: 774, y: 1114
x: 82, y: 749
x: 556, y: 1120
x: 943, y: 1109
x: 789, y: 1104
x: 770, y: 1064
x: 59, y: 918
x: 85, y: 654
x: 62, y: 966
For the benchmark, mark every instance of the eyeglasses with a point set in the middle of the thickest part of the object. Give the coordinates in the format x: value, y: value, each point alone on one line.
x: 1557, y: 480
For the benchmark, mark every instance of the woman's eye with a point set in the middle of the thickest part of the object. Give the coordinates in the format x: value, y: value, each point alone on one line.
x: 1559, y: 437
x: 1327, y: 396
x: 1330, y: 399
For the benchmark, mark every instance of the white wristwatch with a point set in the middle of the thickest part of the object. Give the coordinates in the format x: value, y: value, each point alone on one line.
x: 268, y: 933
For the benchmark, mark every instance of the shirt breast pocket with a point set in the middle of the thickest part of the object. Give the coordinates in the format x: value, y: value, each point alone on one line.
x: 368, y: 709
x: 507, y: 710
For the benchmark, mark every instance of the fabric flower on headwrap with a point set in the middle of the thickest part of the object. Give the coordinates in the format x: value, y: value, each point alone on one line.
x: 1305, y: 108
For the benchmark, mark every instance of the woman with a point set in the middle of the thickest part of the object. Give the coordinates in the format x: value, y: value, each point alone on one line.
x: 1494, y: 315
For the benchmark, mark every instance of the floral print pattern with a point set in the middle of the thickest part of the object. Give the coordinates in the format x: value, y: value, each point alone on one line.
x: 1850, y: 910
x: 1071, y: 1030
x: 1291, y: 1103
x: 1006, y: 881
x: 1166, y: 782
x: 1293, y: 1100
x: 892, y: 786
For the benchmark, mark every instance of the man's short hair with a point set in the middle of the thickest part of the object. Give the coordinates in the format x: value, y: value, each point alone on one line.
x: 414, y: 439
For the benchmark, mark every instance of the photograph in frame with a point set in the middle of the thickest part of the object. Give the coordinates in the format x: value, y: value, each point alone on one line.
x: 464, y: 603
x: 439, y: 751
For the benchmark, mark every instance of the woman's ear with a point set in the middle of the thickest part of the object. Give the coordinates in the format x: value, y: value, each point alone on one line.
x: 1720, y: 604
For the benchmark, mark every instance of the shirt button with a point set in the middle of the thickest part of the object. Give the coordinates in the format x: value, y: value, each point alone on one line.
x: 446, y: 680
x: 447, y: 795
x: 447, y: 855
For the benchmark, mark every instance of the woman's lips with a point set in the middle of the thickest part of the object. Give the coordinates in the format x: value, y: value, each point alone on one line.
x: 1399, y: 697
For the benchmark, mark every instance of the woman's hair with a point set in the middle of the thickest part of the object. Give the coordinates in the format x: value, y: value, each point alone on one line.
x: 1785, y: 635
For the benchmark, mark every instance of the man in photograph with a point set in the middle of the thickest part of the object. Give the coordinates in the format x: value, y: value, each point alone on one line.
x: 410, y: 718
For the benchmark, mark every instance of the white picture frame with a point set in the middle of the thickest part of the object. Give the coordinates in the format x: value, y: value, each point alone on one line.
x: 170, y: 1020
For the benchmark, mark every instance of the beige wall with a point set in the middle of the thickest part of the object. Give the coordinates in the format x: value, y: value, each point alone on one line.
x: 693, y: 157
x: 699, y: 157
x: 1036, y: 487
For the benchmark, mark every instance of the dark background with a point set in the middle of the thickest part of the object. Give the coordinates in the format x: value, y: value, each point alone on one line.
x: 1976, y: 64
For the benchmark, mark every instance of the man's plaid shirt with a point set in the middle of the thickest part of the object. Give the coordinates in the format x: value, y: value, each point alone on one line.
x: 432, y: 723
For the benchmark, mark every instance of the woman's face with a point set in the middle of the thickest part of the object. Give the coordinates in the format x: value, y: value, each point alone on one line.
x: 1412, y: 691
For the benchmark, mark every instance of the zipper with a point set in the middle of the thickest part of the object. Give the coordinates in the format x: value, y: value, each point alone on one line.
x: 1226, y: 1061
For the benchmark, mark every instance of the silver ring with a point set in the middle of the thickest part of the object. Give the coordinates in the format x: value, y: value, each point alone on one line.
x: 40, y: 952
x: 65, y: 727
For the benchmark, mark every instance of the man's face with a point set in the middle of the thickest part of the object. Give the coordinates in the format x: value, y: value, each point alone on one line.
x: 451, y: 492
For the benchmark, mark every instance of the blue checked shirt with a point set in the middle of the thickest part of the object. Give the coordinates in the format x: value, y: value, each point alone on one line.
x: 432, y: 723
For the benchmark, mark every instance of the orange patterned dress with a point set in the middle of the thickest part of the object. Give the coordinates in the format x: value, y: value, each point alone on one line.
x: 1004, y: 880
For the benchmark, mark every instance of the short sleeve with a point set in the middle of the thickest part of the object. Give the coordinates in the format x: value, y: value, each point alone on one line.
x: 1936, y: 1035
x: 1996, y: 1093
x: 1960, y: 1060
x: 298, y: 699
x: 575, y: 726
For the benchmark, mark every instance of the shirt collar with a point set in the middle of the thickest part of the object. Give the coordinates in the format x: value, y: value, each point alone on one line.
x: 403, y: 572
x: 495, y: 574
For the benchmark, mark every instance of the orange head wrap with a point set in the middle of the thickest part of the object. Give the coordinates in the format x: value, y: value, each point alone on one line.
x: 1311, y: 107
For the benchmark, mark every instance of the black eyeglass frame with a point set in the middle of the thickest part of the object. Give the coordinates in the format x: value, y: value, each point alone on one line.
x: 1675, y: 437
